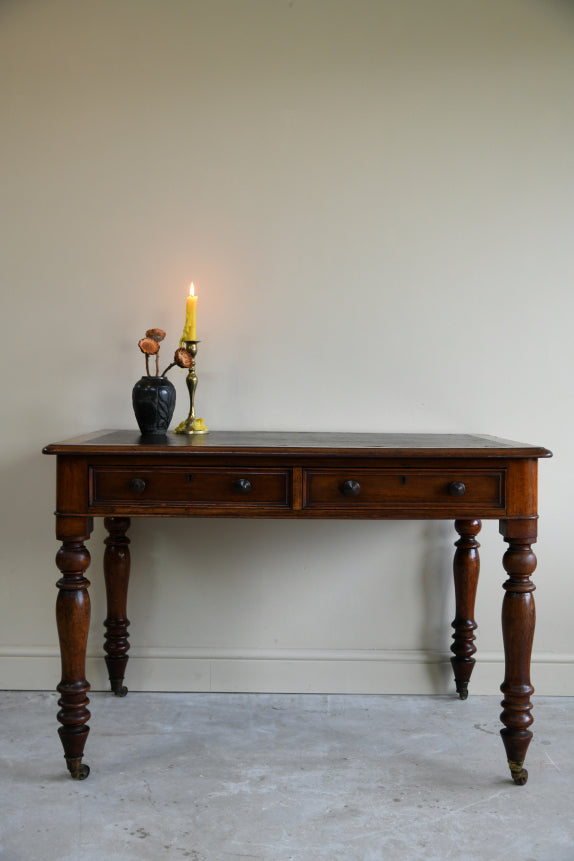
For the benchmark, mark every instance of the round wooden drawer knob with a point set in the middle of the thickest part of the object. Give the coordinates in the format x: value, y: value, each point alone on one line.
x: 457, y: 488
x: 350, y: 488
x: 242, y: 485
x: 137, y: 485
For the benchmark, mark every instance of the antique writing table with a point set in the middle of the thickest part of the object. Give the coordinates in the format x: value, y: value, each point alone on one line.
x: 119, y: 474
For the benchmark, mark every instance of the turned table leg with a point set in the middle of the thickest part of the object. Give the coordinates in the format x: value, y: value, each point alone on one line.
x: 73, y: 619
x: 117, y: 574
x: 518, y: 619
x: 466, y: 567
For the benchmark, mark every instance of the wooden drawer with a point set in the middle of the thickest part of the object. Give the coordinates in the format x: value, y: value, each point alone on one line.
x: 191, y: 487
x: 379, y: 488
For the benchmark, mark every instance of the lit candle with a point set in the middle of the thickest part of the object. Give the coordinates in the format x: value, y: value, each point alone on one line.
x: 190, y: 328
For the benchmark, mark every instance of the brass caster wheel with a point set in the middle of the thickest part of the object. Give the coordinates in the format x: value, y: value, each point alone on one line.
x: 78, y: 769
x: 118, y: 689
x: 83, y: 772
x: 462, y: 690
x: 519, y: 774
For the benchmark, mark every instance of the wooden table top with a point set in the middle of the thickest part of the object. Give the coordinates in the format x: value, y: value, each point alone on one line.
x: 237, y: 442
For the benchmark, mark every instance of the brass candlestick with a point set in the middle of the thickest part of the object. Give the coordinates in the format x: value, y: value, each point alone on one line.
x: 191, y: 425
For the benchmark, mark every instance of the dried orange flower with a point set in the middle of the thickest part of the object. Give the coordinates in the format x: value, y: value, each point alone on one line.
x: 183, y: 358
x: 148, y: 346
x: 157, y: 334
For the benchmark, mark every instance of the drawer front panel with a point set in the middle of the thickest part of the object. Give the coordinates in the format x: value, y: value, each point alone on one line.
x: 188, y: 487
x: 397, y: 488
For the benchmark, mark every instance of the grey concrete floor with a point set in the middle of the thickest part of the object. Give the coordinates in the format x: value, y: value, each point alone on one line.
x: 285, y: 778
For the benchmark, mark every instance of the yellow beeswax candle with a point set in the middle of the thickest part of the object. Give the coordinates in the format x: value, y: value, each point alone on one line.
x: 190, y: 328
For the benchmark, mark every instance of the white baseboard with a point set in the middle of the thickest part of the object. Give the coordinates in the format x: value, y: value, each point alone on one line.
x: 285, y: 671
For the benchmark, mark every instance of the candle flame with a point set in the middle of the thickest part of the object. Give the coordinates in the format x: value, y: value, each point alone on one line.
x: 191, y: 289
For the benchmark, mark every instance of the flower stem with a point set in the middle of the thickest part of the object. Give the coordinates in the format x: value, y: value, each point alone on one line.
x: 147, y: 364
x: 157, y: 364
x: 167, y: 369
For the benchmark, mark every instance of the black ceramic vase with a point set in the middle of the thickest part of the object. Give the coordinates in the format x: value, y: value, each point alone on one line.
x: 153, y: 399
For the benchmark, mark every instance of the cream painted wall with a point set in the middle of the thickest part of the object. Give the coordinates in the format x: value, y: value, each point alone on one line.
x: 375, y: 199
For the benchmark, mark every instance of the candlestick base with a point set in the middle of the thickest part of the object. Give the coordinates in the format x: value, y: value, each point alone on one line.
x: 191, y: 428
x: 192, y: 425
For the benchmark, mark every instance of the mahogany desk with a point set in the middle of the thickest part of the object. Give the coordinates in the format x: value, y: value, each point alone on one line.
x: 119, y: 474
